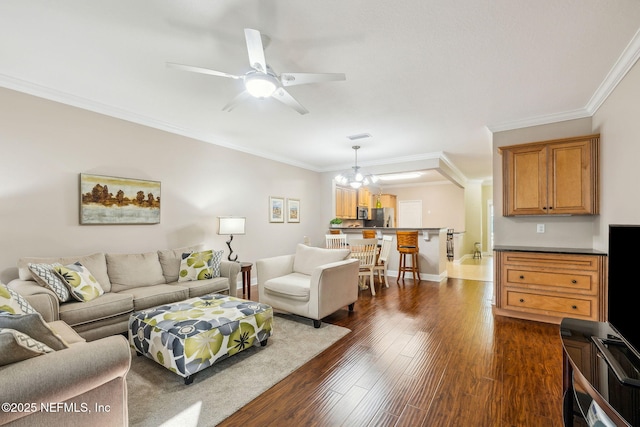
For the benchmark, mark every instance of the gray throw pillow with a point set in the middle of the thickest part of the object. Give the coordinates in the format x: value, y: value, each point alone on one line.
x: 35, y: 327
x: 16, y: 346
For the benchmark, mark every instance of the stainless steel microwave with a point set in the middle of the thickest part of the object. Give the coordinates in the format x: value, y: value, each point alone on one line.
x: 363, y: 213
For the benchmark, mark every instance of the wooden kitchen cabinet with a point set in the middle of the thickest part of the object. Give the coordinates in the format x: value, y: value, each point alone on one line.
x: 346, y: 203
x: 364, y: 197
x: 558, y: 177
x: 389, y: 201
x: 547, y: 287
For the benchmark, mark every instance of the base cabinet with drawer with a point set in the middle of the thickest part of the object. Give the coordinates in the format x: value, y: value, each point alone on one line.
x: 549, y: 286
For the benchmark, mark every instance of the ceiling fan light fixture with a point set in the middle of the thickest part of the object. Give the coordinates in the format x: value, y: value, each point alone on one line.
x: 260, y: 85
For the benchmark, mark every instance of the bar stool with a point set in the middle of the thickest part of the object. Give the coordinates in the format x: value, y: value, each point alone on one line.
x: 407, y: 245
x: 369, y: 234
x: 477, y: 250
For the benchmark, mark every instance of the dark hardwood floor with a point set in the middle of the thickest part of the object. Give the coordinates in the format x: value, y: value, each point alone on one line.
x: 427, y: 354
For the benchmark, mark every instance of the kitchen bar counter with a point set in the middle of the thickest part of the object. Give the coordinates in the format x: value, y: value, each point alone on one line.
x: 433, y: 249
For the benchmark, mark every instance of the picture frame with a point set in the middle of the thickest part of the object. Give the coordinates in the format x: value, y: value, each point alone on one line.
x: 276, y: 209
x: 293, y: 210
x: 111, y: 200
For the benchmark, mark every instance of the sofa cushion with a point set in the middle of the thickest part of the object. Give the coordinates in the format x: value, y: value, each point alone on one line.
x: 12, y: 302
x: 96, y: 263
x: 66, y: 332
x: 307, y: 258
x: 81, y: 283
x: 34, y: 326
x: 46, y: 276
x: 293, y: 286
x: 170, y: 261
x: 150, y: 296
x: 198, y: 288
x: 128, y: 271
x: 106, y: 306
x: 16, y: 346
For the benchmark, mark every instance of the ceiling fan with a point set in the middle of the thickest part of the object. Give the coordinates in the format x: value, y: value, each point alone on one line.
x: 262, y: 81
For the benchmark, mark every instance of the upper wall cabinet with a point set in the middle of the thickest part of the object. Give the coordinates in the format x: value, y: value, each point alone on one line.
x: 558, y: 177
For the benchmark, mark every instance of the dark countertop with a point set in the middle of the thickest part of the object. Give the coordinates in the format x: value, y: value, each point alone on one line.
x: 581, y: 251
x: 387, y: 228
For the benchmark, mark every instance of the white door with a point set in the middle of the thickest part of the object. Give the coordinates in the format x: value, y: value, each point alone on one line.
x: 410, y: 214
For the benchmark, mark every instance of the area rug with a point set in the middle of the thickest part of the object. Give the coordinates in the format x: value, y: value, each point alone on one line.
x: 158, y: 397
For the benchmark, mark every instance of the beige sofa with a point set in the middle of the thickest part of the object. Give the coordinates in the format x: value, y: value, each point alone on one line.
x: 131, y: 282
x: 84, y: 384
x: 313, y: 282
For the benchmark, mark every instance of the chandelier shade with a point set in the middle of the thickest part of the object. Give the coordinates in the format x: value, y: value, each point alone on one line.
x: 356, y: 178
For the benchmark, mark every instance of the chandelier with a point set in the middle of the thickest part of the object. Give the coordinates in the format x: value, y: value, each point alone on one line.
x: 356, y: 178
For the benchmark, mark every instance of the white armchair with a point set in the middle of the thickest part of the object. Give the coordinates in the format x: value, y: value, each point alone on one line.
x: 313, y: 283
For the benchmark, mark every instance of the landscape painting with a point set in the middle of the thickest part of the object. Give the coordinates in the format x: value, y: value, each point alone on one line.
x: 114, y: 200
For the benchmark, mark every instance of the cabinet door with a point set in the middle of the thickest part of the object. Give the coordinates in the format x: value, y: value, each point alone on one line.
x: 339, y: 202
x: 570, y: 184
x: 351, y: 203
x: 364, y: 197
x: 525, y: 181
x: 557, y: 177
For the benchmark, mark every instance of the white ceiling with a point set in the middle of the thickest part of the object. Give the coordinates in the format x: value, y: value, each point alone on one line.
x: 423, y: 76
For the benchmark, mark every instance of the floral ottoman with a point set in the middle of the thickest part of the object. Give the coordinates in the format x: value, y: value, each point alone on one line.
x: 191, y: 335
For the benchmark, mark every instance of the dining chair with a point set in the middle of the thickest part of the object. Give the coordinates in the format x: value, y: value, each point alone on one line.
x: 383, y: 257
x: 335, y: 241
x: 365, y: 251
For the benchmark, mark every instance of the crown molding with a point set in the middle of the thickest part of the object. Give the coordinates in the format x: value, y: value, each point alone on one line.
x: 625, y: 62
x: 119, y: 113
x: 580, y: 113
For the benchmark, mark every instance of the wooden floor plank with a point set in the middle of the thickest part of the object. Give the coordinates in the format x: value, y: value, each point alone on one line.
x: 429, y: 354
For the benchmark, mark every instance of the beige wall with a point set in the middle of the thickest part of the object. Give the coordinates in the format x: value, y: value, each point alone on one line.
x: 442, y: 203
x: 46, y: 145
x: 618, y: 122
x: 564, y: 232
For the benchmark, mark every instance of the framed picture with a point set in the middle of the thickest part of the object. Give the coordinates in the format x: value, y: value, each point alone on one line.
x: 293, y: 210
x: 276, y: 209
x: 114, y: 200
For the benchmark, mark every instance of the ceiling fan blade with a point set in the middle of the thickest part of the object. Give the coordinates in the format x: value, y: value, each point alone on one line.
x: 255, y: 50
x: 202, y: 70
x: 241, y: 97
x: 291, y: 79
x: 288, y: 100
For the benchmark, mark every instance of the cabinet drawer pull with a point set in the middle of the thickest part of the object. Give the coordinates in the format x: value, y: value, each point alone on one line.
x: 521, y: 299
x: 575, y: 307
x: 574, y: 281
x: 521, y: 276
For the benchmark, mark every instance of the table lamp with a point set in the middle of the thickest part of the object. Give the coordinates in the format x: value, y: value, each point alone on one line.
x: 230, y: 225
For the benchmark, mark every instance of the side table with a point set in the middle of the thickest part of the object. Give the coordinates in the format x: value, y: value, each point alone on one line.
x: 245, y: 270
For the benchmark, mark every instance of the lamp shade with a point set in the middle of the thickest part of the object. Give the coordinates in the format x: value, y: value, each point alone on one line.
x: 231, y: 225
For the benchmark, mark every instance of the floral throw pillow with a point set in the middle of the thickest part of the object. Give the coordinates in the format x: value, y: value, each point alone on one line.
x: 81, y: 283
x: 200, y: 265
x: 12, y: 302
